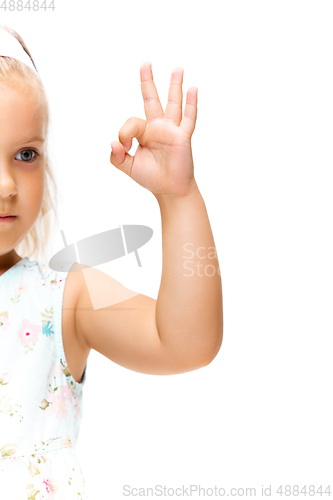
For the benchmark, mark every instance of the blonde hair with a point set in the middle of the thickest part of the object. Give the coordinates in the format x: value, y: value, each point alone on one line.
x: 15, y: 74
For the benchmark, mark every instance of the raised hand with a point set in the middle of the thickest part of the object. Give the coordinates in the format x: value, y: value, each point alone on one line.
x: 163, y: 161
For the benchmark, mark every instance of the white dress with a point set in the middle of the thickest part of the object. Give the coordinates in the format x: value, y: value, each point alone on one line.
x: 40, y: 402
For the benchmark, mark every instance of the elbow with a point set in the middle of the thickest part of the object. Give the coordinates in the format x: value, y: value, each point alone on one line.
x: 198, y: 358
x: 206, y: 358
x: 211, y: 355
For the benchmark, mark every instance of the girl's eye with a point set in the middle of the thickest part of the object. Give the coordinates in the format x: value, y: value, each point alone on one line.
x: 26, y: 154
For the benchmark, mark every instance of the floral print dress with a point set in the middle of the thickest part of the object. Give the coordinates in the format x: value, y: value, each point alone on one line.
x: 40, y: 402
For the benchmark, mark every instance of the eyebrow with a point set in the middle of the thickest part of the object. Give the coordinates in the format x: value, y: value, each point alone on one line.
x: 34, y: 139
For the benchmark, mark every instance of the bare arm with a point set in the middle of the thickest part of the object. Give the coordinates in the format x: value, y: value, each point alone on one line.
x: 182, y: 330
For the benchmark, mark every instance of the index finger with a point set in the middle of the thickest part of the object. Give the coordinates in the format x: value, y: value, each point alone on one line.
x: 153, y: 107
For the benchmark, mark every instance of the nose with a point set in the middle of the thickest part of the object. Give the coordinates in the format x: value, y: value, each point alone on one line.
x: 7, y: 182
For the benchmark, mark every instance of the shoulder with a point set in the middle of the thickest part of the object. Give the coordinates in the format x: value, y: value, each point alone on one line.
x: 76, y: 285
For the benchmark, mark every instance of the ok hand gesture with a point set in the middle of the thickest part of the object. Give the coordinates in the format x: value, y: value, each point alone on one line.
x: 163, y: 161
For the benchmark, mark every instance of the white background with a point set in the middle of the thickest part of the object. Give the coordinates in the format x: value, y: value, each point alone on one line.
x: 261, y: 412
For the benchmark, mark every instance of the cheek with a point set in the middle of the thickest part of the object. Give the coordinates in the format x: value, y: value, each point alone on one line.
x: 32, y: 194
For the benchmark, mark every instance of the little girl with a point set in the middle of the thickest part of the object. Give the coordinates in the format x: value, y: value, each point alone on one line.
x: 49, y: 320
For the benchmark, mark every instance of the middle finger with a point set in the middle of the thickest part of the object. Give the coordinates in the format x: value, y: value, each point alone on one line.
x: 173, y: 110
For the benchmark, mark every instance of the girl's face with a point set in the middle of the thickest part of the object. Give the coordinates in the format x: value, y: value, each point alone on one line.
x: 22, y: 142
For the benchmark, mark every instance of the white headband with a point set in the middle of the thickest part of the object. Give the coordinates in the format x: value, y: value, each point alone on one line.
x: 11, y: 47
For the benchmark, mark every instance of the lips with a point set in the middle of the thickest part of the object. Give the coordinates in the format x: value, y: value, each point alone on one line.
x: 7, y: 215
